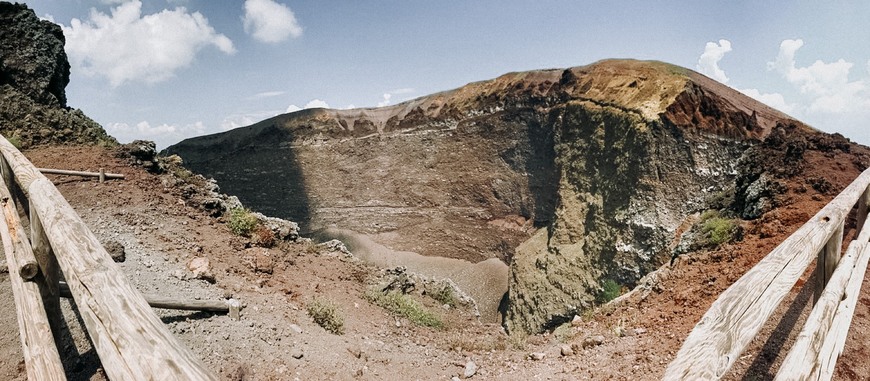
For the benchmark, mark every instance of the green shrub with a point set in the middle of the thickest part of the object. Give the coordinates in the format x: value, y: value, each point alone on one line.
x: 445, y: 295
x: 402, y: 305
x: 242, y: 222
x: 15, y: 141
x: 610, y: 289
x: 717, y: 229
x: 326, y: 315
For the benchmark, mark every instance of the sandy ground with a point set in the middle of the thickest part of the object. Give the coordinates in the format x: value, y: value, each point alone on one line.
x: 277, y: 340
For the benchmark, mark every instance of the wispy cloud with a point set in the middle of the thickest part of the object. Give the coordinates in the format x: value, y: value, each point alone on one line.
x: 267, y: 94
x: 270, y: 21
x: 126, y: 46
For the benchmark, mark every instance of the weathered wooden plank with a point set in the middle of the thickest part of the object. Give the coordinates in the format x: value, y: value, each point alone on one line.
x: 102, y: 175
x: 802, y: 362
x: 169, y: 303
x: 129, y: 338
x: 42, y: 361
x: 735, y: 318
x: 826, y: 262
x: 835, y: 341
x: 50, y: 273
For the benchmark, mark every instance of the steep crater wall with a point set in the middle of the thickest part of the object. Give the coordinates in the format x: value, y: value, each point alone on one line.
x: 626, y: 185
x: 573, y: 177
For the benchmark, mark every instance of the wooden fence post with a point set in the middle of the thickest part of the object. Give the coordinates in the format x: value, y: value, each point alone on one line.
x: 827, y: 260
x: 50, y: 273
x: 863, y: 209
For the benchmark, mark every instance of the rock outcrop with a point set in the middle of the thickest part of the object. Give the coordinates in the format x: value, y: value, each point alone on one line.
x: 34, y: 72
x: 576, y: 177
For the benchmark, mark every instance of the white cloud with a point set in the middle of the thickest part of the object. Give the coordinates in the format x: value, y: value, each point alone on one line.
x: 388, y: 96
x: 129, y: 47
x: 267, y: 94
x: 162, y: 134
x: 269, y: 21
x: 775, y: 100
x: 386, y: 100
x: 314, y: 103
x: 708, y: 63
x: 404, y: 90
x: 826, y: 84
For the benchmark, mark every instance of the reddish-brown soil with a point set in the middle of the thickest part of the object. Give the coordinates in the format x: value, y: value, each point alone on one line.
x: 640, y: 335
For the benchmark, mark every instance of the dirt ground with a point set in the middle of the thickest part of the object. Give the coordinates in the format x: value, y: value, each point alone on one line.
x: 277, y: 340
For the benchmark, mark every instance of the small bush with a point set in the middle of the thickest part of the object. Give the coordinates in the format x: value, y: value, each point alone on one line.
x: 15, y: 141
x: 326, y: 315
x: 610, y: 289
x: 445, y: 295
x: 242, y: 222
x: 402, y: 305
x: 717, y: 229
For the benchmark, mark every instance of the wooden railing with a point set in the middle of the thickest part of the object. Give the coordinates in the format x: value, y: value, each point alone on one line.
x: 737, y: 316
x: 131, y: 341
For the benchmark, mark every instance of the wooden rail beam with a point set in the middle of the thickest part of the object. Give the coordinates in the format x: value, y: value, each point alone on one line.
x: 836, y: 339
x: 170, y: 303
x: 736, y: 317
x: 102, y: 175
x: 41, y: 359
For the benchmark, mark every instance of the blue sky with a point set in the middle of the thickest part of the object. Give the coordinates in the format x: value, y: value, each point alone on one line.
x: 165, y: 70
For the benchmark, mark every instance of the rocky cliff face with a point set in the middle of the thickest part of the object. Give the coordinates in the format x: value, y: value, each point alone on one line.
x: 574, y: 176
x: 34, y: 72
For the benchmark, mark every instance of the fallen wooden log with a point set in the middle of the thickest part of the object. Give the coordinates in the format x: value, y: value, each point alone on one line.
x: 169, y: 303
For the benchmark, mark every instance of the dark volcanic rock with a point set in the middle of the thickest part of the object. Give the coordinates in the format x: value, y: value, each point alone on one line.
x: 34, y: 72
x: 33, y: 59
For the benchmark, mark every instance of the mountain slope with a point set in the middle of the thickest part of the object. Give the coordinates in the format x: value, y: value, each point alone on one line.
x: 577, y: 178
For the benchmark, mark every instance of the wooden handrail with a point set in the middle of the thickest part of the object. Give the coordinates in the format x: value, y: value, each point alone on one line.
x: 41, y: 358
x: 131, y: 341
x: 736, y: 317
